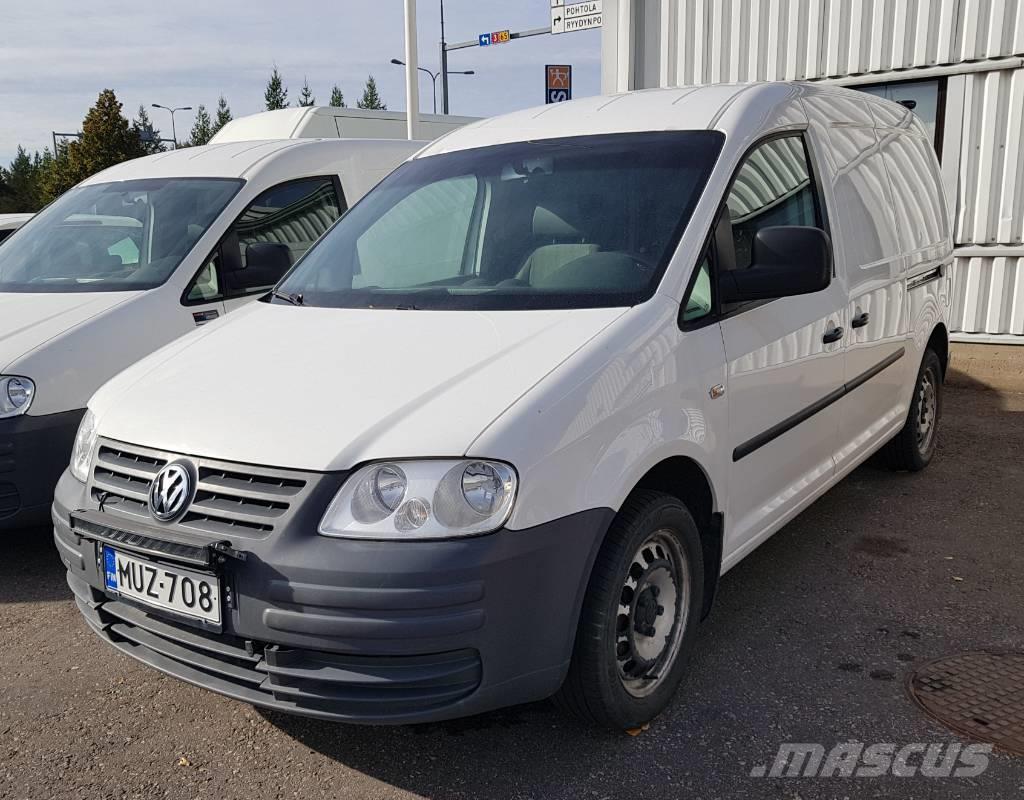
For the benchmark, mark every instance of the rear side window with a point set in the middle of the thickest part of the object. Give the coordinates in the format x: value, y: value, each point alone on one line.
x: 772, y: 187
x: 292, y: 216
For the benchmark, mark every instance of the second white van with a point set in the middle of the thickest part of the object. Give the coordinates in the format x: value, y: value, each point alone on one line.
x: 500, y: 432
x: 138, y: 255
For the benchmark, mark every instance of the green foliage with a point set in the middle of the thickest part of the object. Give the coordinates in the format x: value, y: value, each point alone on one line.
x: 276, y: 95
x: 223, y: 114
x: 202, y: 128
x: 149, y: 136
x: 107, y: 139
x: 337, y: 98
x: 306, y: 99
x: 371, y: 98
x: 21, y: 184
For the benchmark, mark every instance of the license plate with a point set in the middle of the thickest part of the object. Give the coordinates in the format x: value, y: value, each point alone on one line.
x: 183, y: 591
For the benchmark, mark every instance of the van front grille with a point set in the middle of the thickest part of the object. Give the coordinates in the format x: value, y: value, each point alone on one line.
x: 230, y: 499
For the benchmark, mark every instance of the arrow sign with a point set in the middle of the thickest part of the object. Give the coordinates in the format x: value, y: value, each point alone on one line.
x: 575, y: 17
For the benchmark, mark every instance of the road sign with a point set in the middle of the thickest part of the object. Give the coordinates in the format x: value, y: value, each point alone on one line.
x: 575, y: 17
x: 558, y: 83
x: 495, y: 37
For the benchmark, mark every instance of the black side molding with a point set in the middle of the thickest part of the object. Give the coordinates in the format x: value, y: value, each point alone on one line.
x: 774, y: 432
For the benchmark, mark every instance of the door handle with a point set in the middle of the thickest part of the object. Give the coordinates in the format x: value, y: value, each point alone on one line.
x: 833, y: 335
x: 860, y: 320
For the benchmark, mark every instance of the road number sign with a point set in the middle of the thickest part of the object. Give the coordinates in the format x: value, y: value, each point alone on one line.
x: 495, y: 37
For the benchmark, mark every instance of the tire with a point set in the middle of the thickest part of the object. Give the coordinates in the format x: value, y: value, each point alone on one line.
x: 623, y: 673
x: 913, y: 448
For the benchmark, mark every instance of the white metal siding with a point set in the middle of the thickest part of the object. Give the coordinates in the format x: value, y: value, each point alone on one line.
x: 753, y: 40
x: 988, y: 296
x: 991, y: 205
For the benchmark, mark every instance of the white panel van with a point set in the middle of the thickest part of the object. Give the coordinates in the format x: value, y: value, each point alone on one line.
x: 499, y: 434
x: 139, y: 254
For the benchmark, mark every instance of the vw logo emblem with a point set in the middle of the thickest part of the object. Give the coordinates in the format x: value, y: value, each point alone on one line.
x: 170, y: 492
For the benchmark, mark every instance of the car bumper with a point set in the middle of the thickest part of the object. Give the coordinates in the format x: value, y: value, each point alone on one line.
x: 374, y: 632
x: 33, y: 453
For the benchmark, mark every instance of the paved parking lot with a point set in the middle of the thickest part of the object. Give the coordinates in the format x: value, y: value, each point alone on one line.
x: 811, y: 640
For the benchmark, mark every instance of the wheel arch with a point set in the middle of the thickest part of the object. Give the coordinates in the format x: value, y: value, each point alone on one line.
x: 939, y: 342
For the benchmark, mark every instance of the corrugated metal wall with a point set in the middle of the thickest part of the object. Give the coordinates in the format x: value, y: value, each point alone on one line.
x: 750, y: 40
x: 988, y: 296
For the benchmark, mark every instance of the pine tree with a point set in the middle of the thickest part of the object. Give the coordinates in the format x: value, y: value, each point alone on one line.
x: 276, y: 94
x: 223, y: 115
x: 371, y: 98
x: 306, y: 99
x: 337, y: 98
x: 107, y: 139
x: 148, y: 135
x: 21, y: 183
x: 202, y: 128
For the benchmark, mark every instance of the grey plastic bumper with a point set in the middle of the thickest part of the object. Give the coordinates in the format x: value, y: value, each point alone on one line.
x: 379, y: 632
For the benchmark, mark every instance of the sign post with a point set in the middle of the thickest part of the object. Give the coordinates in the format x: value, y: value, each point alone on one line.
x: 558, y: 83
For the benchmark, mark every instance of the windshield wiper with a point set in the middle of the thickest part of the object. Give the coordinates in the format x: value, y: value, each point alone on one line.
x: 289, y: 297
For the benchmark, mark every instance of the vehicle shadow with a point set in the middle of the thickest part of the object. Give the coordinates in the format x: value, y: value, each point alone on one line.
x: 31, y: 570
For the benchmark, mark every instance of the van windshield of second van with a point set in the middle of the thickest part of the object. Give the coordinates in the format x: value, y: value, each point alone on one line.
x: 579, y: 222
x: 108, y: 237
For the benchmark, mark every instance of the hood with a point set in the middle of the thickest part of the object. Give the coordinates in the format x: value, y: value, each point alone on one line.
x: 325, y: 389
x: 30, y: 320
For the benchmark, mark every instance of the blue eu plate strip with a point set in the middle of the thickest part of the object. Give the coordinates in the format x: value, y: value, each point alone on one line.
x: 109, y: 568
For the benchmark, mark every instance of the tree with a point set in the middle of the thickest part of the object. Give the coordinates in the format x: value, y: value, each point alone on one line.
x: 306, y: 99
x: 107, y: 138
x: 148, y: 135
x: 337, y: 98
x: 276, y: 94
x: 371, y: 98
x: 223, y: 115
x: 202, y: 128
x: 21, y: 184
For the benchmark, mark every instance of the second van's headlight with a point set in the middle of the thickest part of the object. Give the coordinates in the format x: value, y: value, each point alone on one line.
x: 81, y: 452
x: 434, y: 499
x: 16, y: 395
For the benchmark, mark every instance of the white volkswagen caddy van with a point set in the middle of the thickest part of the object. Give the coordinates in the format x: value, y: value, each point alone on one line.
x: 500, y: 432
x: 136, y: 256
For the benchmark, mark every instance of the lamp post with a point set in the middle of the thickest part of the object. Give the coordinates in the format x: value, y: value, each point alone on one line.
x: 174, y: 133
x: 434, y: 76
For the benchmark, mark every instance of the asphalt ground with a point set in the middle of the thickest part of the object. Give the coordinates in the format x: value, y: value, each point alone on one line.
x: 811, y: 640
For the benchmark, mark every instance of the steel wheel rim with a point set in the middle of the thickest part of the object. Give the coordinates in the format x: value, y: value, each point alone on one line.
x: 652, y: 613
x: 927, y: 407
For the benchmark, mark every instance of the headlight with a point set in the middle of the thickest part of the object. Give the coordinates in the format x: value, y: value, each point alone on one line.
x: 422, y: 500
x: 81, y: 453
x: 15, y: 396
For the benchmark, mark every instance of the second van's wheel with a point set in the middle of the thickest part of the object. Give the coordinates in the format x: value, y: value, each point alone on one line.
x: 639, y: 616
x: 913, y: 448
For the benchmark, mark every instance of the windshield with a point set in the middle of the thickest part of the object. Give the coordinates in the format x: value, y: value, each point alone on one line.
x: 113, y: 236
x: 565, y: 223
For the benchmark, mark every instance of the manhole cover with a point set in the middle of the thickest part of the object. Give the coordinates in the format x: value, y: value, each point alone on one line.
x: 979, y: 695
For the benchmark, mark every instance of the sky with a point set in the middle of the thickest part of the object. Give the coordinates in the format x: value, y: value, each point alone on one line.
x: 57, y: 55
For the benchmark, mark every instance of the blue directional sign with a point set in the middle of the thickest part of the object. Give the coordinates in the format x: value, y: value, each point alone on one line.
x: 485, y: 39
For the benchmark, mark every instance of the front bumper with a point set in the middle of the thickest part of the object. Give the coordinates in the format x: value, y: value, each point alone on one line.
x: 377, y: 632
x: 33, y: 453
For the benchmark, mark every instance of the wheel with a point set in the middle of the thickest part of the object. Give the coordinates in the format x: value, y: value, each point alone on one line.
x: 914, y: 446
x: 639, y: 616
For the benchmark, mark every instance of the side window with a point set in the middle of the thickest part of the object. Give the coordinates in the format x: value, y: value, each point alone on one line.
x: 275, y: 231
x: 772, y: 187
x: 699, y: 301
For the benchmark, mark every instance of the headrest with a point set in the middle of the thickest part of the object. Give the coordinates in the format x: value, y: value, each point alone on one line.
x: 549, y: 224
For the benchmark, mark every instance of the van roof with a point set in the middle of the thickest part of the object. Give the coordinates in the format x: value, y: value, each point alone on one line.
x: 724, y: 107
x: 245, y: 159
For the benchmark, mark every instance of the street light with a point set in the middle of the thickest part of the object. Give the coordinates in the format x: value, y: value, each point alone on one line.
x: 434, y: 76
x: 174, y: 133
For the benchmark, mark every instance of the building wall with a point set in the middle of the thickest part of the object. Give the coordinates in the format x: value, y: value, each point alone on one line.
x: 977, y: 46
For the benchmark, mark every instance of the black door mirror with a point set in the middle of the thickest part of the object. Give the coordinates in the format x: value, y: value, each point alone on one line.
x: 786, y: 260
x: 265, y: 264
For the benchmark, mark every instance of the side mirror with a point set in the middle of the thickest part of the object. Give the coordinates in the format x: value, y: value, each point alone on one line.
x: 787, y: 260
x: 265, y: 264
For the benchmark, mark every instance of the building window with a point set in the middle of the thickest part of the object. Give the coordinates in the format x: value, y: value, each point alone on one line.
x: 927, y: 99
